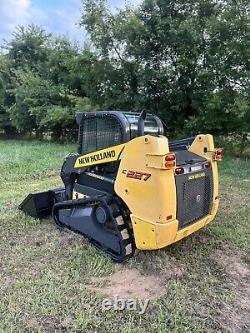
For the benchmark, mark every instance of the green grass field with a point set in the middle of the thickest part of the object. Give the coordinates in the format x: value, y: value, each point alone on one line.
x: 52, y: 281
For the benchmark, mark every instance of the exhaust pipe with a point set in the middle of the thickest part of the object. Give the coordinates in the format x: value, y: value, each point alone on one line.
x: 141, y: 122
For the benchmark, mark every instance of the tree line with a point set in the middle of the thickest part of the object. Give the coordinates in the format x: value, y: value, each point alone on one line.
x: 187, y: 61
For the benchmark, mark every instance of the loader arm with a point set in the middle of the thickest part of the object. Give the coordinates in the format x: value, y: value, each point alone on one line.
x: 69, y: 174
x: 76, y: 164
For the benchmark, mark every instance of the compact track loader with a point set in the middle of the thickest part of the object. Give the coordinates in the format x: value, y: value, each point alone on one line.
x: 129, y: 187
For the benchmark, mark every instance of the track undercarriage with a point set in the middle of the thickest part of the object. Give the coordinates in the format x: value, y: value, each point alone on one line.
x: 102, y: 219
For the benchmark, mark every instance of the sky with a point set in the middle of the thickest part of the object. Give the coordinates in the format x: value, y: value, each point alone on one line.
x: 56, y: 16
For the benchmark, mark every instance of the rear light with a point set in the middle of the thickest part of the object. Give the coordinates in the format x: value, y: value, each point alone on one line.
x: 179, y: 171
x: 170, y: 161
x: 170, y: 157
x: 218, y: 154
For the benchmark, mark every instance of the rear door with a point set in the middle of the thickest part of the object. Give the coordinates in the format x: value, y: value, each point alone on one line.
x: 194, y: 188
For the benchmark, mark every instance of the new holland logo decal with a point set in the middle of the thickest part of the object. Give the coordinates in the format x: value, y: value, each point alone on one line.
x: 102, y: 156
x: 196, y: 176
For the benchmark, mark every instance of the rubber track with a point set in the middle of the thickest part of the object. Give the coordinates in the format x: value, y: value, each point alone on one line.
x: 120, y: 223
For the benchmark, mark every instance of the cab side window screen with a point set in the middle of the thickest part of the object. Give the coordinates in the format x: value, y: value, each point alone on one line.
x: 100, y: 133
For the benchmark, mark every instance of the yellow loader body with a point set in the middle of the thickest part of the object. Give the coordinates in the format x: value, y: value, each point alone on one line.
x: 153, y: 202
x: 128, y: 187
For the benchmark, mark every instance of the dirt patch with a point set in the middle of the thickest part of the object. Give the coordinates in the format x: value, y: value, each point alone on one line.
x: 235, y: 315
x: 172, y: 268
x: 52, y: 173
x: 129, y: 283
x: 68, y: 238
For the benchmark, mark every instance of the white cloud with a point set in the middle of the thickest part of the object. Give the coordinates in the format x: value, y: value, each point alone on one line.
x: 65, y: 20
x: 62, y: 20
x: 12, y: 13
x: 14, y: 8
x: 23, y: 12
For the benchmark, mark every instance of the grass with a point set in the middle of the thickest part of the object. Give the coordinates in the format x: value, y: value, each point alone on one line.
x: 44, y: 274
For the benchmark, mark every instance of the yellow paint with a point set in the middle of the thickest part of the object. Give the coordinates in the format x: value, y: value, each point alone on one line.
x: 106, y: 155
x: 215, y: 206
x: 153, y: 200
x: 155, y: 161
x: 206, y: 142
x: 153, y: 236
x: 158, y: 161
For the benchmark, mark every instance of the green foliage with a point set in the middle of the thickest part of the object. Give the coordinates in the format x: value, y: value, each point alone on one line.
x: 28, y: 46
x: 5, y: 97
x: 223, y: 112
x: 57, y: 120
x: 34, y: 95
x: 181, y: 59
x: 84, y: 104
x: 43, y: 84
x: 187, y: 61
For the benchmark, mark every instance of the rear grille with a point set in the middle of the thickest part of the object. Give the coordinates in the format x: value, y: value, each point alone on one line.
x: 194, y: 197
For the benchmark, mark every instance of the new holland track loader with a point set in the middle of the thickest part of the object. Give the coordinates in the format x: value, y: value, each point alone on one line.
x: 129, y: 187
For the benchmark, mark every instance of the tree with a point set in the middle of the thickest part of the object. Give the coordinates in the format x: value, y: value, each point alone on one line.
x: 186, y: 60
x: 172, y: 57
x: 42, y: 82
x: 35, y: 97
x: 6, y: 98
x: 28, y: 47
